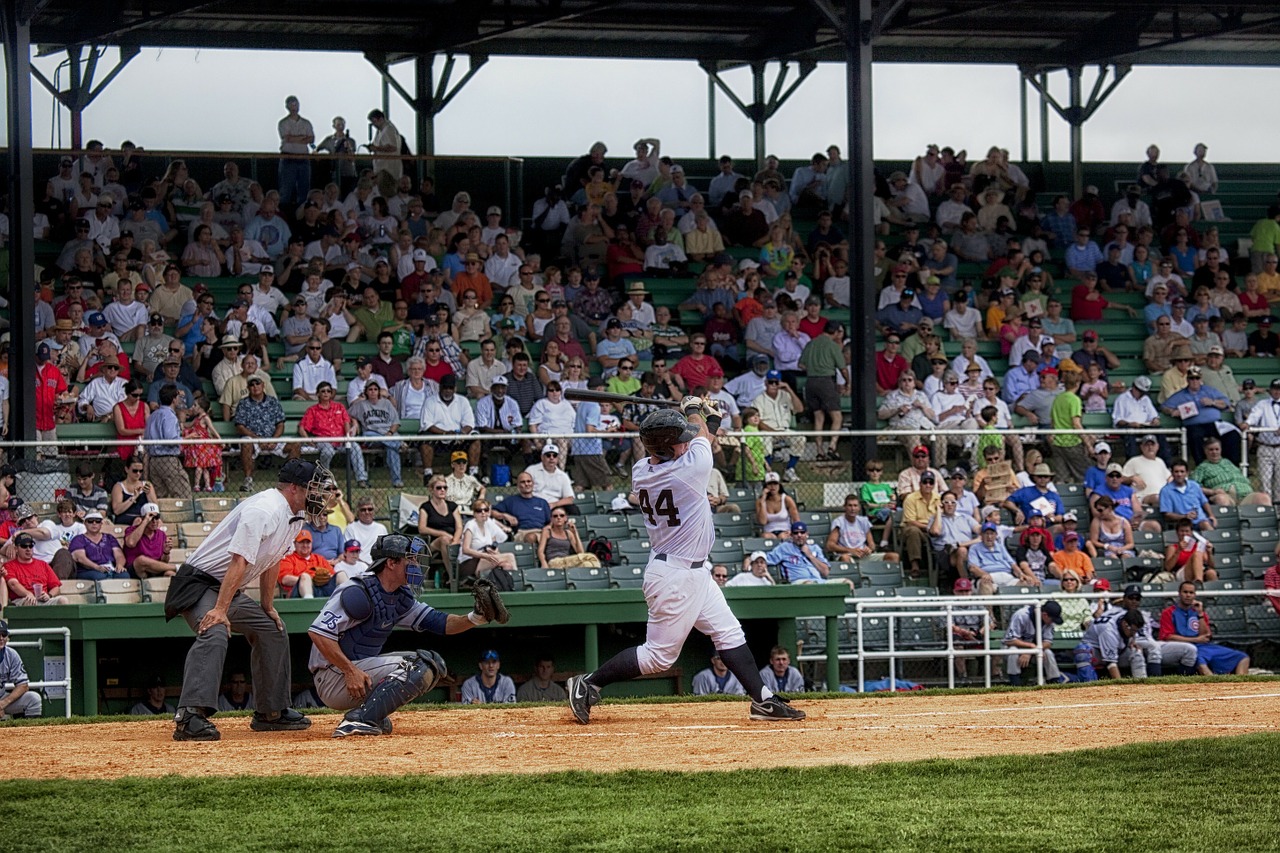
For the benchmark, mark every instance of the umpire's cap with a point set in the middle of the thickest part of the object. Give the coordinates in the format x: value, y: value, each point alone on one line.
x: 299, y: 472
x: 664, y: 428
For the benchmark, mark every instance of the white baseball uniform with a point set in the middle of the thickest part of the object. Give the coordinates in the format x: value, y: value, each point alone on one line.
x: 678, y: 586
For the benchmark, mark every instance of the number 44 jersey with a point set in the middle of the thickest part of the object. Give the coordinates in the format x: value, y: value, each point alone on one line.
x: 673, y: 500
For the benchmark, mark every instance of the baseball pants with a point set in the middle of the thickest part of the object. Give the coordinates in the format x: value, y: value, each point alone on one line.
x: 681, y: 599
x: 1269, y: 470
x: 268, y: 656
x: 29, y: 704
x: 1051, y: 671
x: 332, y: 687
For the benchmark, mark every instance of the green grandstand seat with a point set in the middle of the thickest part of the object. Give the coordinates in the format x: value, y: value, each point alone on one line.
x: 1224, y: 541
x: 1257, y: 539
x: 915, y: 591
x: 1148, y: 540
x: 608, y: 526
x: 1111, y: 569
x: 846, y: 571
x: 544, y: 580
x: 1256, y: 515
x: 734, y: 525
x: 819, y: 524
x: 1228, y: 517
x: 758, y: 543
x: 880, y: 573
x: 635, y: 552
x: 1262, y: 621
x: 916, y: 632
x: 728, y: 551
x: 586, y: 577
x: 1255, y: 565
x: 626, y: 577
x: 120, y: 591
x: 1228, y: 567
x: 874, y: 631
x: 1137, y: 567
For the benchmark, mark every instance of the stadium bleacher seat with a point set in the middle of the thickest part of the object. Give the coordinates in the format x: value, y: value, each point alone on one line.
x: 734, y: 525
x: 1258, y: 539
x: 626, y: 577
x: 1256, y: 515
x: 544, y: 580
x: 122, y: 591
x: 635, y: 552
x: 880, y: 574
x: 728, y: 551
x: 585, y: 577
x: 79, y: 591
x: 155, y: 589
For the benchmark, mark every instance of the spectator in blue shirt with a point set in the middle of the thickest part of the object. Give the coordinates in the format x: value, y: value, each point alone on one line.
x: 1023, y: 379
x: 1183, y: 498
x: 525, y: 512
x: 1209, y: 404
x: 1022, y: 502
x: 1083, y: 255
x: 802, y: 561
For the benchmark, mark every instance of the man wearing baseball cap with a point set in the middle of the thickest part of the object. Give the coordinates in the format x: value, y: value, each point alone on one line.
x: 245, y: 548
x: 755, y: 571
x: 801, y: 560
x: 1133, y: 409
x: 304, y: 573
x: 21, y: 700
x: 1026, y: 639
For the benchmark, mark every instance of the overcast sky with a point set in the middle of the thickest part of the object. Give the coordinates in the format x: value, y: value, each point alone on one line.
x: 231, y: 100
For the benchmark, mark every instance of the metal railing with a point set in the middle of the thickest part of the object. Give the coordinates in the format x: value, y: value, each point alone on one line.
x: 65, y: 682
x: 894, y: 607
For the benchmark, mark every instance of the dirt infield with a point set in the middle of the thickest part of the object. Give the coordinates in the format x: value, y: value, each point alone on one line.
x: 694, y: 736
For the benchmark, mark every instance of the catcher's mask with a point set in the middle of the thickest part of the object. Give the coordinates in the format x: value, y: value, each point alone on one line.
x: 322, y: 489
x: 663, y: 429
x: 400, y: 546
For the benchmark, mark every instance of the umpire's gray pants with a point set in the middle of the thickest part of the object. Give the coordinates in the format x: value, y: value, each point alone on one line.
x: 332, y: 687
x: 268, y: 658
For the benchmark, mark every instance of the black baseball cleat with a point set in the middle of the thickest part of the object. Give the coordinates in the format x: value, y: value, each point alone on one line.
x: 287, y: 720
x: 582, y: 695
x: 775, y: 708
x: 192, y: 725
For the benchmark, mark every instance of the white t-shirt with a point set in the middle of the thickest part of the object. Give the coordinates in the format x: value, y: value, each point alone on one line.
x: 490, y: 533
x: 1154, y: 474
x: 60, y: 538
x: 555, y: 485
x: 853, y: 534
x: 748, y: 579
x: 673, y: 501
x: 967, y: 326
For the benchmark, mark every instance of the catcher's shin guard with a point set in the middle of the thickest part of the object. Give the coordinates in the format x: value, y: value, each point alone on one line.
x: 415, y: 675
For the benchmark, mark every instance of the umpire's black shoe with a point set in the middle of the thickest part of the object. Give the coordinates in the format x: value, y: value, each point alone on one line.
x: 287, y: 720
x: 775, y: 708
x: 192, y: 725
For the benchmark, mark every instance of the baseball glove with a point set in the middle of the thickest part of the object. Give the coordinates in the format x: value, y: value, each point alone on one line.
x: 323, y: 575
x: 489, y: 602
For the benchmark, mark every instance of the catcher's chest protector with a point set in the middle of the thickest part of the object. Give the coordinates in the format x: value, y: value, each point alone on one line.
x: 367, y: 638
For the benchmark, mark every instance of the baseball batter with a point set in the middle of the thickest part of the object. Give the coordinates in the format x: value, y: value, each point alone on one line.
x: 351, y: 672
x: 671, y: 487
x: 208, y: 591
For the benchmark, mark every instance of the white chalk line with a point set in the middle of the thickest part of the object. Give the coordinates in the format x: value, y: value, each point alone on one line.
x: 612, y: 734
x: 1005, y: 709
x: 1034, y: 726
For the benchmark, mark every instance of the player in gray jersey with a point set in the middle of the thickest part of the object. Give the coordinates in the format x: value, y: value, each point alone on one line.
x: 670, y: 486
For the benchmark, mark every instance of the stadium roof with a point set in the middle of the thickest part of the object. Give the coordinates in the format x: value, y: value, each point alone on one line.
x: 1036, y: 34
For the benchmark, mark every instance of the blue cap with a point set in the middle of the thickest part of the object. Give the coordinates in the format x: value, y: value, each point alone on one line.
x: 799, y: 527
x: 990, y: 526
x: 97, y: 318
x: 352, y: 545
x: 490, y: 655
x: 773, y: 374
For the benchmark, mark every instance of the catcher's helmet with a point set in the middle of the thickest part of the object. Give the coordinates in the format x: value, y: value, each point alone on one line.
x: 663, y: 428
x: 395, y: 546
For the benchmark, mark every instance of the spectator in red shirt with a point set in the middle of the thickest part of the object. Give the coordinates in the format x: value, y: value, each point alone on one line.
x: 697, y: 367
x: 30, y: 581
x: 1088, y: 210
x: 50, y: 383
x: 436, y: 368
x: 1087, y: 303
x: 329, y: 419
x: 889, y: 365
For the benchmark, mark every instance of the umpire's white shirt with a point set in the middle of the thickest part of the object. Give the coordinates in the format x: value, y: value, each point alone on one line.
x: 261, y: 529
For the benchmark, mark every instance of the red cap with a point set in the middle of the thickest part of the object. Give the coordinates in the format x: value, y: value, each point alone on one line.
x: 1101, y: 585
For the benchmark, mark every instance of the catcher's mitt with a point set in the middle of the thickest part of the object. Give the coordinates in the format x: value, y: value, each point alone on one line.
x: 489, y: 602
x: 323, y: 575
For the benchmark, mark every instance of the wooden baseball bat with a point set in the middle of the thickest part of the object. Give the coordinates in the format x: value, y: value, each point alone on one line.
x: 610, y: 397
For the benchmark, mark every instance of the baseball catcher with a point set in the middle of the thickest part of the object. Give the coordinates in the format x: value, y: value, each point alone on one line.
x: 350, y: 670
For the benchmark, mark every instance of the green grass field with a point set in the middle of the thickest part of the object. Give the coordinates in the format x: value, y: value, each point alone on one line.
x: 1195, y: 795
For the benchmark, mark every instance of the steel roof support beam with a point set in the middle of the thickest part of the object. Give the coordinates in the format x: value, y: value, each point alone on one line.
x: 1078, y: 110
x: 431, y: 97
x: 15, y: 20
x: 81, y: 91
x: 760, y: 110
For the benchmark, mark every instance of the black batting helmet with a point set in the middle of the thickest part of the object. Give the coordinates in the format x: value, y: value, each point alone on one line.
x: 664, y: 428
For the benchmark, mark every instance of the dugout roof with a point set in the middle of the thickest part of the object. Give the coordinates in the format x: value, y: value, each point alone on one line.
x: 1036, y: 34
